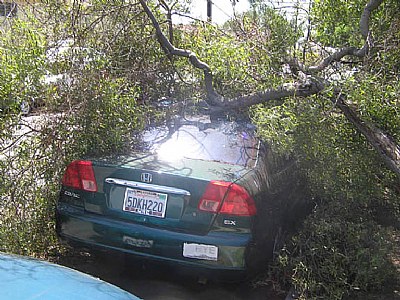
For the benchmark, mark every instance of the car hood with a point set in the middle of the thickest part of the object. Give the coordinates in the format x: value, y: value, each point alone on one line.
x: 27, y: 278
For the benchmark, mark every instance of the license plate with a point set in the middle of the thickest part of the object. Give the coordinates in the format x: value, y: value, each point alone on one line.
x: 145, y: 203
x: 200, y: 251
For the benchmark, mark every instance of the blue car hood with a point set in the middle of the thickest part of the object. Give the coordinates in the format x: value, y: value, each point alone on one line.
x: 27, y: 278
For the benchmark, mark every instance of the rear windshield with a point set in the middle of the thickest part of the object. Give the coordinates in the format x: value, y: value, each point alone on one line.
x: 221, y: 141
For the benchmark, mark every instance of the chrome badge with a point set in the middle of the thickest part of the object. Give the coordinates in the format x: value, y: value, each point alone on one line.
x: 146, y: 177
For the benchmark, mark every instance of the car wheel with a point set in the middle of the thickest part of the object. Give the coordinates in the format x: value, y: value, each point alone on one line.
x: 25, y: 107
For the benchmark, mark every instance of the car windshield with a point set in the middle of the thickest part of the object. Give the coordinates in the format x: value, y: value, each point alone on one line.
x: 222, y: 141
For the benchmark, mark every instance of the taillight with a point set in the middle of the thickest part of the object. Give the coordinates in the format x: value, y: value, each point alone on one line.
x: 227, y: 198
x: 80, y: 175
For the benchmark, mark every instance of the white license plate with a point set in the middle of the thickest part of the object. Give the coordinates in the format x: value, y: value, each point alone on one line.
x: 145, y: 203
x: 200, y: 251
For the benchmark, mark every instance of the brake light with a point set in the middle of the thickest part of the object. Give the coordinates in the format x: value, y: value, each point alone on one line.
x: 227, y: 198
x: 80, y: 175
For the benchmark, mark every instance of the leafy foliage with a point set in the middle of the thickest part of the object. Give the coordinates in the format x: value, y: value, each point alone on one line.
x: 107, y: 119
x: 87, y: 112
x: 247, y: 55
x: 21, y: 62
x: 336, y: 31
x: 336, y: 22
x: 344, y: 248
x: 335, y: 256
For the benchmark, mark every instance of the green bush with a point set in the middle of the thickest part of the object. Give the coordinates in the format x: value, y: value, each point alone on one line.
x: 21, y: 65
x: 27, y: 191
x: 345, y: 246
x: 335, y: 256
x: 97, y: 115
x: 106, y: 117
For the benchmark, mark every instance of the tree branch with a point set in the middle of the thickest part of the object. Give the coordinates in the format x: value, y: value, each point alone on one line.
x: 213, y: 98
x: 347, y: 51
x: 385, y: 146
x: 388, y: 150
x: 285, y: 91
x: 365, y: 17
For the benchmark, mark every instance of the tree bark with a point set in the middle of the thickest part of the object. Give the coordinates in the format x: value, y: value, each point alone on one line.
x: 286, y: 91
x: 385, y: 146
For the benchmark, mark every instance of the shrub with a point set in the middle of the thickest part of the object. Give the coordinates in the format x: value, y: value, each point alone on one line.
x: 98, y: 115
x: 334, y: 255
x: 344, y: 247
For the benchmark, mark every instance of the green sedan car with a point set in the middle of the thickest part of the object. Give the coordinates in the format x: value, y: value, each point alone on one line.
x: 189, y: 197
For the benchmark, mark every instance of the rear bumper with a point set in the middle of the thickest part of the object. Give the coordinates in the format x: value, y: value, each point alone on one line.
x: 96, y: 231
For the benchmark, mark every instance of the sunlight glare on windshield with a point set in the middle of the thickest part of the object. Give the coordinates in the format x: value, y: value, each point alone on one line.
x: 180, y: 145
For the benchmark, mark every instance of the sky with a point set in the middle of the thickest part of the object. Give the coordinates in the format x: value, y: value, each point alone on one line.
x: 221, y: 10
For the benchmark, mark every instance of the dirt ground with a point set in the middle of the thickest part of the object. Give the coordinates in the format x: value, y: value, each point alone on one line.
x: 150, y: 281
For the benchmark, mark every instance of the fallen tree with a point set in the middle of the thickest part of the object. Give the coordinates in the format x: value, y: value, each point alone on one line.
x: 386, y: 147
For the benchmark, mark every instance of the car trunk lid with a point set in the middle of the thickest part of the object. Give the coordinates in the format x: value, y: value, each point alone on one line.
x: 143, y: 189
